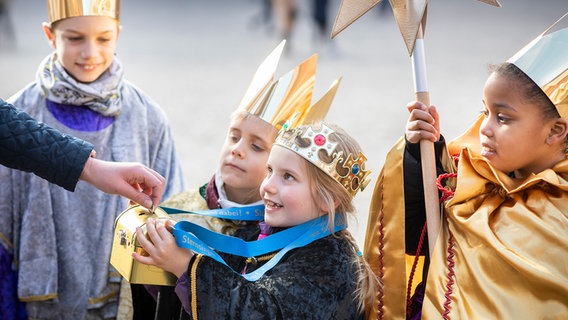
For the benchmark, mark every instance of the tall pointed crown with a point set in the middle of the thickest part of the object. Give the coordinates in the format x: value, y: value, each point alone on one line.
x: 545, y: 61
x: 317, y: 147
x: 63, y: 9
x: 290, y: 96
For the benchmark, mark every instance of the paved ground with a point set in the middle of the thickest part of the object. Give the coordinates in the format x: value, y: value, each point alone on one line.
x: 196, y: 59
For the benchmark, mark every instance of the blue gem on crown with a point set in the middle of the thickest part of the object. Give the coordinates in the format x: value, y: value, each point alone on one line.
x: 355, y: 169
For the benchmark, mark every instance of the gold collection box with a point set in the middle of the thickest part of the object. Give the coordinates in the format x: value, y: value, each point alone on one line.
x: 125, y: 242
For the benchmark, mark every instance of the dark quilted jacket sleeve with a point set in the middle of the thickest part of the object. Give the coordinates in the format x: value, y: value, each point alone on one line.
x: 28, y: 145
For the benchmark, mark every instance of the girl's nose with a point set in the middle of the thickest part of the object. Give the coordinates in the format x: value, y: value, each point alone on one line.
x: 485, y: 128
x: 267, y: 185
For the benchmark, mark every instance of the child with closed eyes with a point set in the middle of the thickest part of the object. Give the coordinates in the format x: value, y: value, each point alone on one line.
x: 306, y: 264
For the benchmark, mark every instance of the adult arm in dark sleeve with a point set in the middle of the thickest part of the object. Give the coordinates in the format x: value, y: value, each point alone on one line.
x: 28, y: 145
x: 31, y: 146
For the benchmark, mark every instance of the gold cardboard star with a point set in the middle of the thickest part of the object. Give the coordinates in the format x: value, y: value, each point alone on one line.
x: 409, y: 14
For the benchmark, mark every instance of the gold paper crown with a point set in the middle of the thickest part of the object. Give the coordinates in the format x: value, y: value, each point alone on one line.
x: 545, y: 61
x: 354, y: 176
x: 276, y: 101
x: 63, y: 9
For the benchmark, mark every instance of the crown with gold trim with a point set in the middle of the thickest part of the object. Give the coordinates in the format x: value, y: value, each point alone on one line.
x: 290, y: 96
x: 545, y: 61
x: 347, y: 170
x: 63, y: 9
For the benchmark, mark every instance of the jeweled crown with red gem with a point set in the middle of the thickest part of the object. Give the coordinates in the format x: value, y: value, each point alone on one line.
x: 354, y: 178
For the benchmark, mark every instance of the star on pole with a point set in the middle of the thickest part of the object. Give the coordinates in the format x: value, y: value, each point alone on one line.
x: 409, y: 15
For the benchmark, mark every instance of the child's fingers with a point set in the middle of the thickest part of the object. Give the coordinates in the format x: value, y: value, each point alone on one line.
x: 151, y: 230
x: 434, y: 112
x: 419, y: 130
x: 164, y: 232
x: 422, y: 123
x: 416, y: 105
x: 143, y: 259
x: 419, y: 110
x: 141, y: 237
x: 417, y: 136
x: 160, y: 244
x: 170, y: 225
x: 147, y: 246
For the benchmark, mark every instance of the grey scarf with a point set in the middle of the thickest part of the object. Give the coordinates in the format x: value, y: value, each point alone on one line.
x: 101, y: 95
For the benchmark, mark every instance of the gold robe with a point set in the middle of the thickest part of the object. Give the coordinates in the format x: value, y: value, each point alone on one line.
x: 503, y: 241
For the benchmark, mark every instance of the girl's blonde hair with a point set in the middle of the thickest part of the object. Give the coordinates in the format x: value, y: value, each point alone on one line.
x: 330, y: 194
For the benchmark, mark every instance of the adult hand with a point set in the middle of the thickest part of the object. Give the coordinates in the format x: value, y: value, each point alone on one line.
x: 128, y: 179
x: 161, y: 247
x: 423, y: 123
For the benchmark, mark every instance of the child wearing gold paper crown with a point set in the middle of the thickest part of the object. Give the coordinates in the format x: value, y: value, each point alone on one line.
x: 501, y: 252
x: 306, y: 265
x: 60, y: 242
x: 242, y: 164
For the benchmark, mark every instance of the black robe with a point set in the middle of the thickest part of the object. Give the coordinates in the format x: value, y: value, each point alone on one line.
x: 317, y: 281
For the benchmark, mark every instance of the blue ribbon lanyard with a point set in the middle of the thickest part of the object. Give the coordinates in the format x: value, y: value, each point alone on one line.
x: 246, y: 213
x: 204, y: 241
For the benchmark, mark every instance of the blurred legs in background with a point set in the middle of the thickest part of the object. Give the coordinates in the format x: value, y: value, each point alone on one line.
x: 7, y: 35
x: 285, y: 13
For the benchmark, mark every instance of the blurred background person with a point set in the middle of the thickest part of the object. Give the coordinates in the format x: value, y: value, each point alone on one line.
x: 285, y: 13
x: 7, y: 34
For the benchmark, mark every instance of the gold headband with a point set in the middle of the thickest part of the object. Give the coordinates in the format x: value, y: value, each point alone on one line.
x: 63, y: 9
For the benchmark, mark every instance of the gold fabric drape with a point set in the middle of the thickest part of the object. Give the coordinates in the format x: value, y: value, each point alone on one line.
x: 507, y: 240
x: 502, y: 252
x: 384, y: 240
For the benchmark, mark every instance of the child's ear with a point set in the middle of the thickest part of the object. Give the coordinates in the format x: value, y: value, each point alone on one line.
x: 49, y: 33
x: 558, y: 131
x: 336, y: 203
x: 324, y: 208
